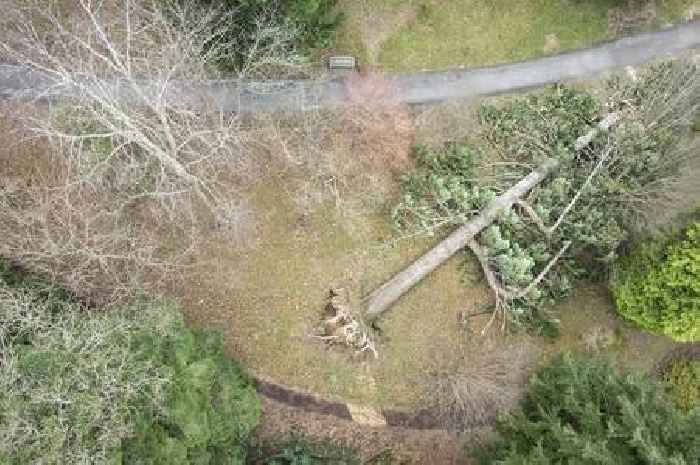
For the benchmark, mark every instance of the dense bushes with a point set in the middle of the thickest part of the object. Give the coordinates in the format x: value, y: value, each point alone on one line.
x: 316, y: 21
x: 125, y: 386
x: 578, y: 410
x: 247, y: 24
x: 129, y: 386
x: 658, y: 285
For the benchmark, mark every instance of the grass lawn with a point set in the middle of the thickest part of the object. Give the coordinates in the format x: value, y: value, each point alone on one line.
x: 269, y: 298
x: 415, y: 35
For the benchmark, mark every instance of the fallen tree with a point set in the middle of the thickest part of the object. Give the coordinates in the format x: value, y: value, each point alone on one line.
x: 571, y: 226
x: 535, y: 239
x: 382, y: 298
x: 343, y: 325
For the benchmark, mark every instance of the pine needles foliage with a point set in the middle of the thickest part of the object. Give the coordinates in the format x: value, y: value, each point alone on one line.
x: 580, y: 411
x: 599, y: 197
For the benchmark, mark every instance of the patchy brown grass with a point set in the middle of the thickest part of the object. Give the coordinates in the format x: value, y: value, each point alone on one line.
x: 631, y: 17
x: 455, y: 121
x: 369, y: 24
x: 378, y: 126
x: 379, y: 24
x: 350, y: 157
x: 269, y: 299
x: 591, y: 310
x: 37, y: 11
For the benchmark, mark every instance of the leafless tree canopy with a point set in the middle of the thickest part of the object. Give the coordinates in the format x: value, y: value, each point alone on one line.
x: 123, y: 62
x: 124, y: 161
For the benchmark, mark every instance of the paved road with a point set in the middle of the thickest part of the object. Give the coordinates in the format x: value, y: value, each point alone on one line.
x: 236, y: 96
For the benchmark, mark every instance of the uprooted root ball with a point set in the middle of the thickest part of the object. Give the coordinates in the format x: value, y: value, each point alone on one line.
x: 342, y: 325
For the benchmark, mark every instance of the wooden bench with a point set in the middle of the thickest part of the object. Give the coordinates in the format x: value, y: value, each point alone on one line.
x: 342, y: 63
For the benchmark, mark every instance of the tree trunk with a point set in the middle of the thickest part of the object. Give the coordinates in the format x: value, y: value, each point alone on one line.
x: 382, y: 298
x: 389, y: 292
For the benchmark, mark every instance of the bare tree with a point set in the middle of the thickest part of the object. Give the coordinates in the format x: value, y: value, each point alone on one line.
x: 131, y: 157
x: 122, y: 66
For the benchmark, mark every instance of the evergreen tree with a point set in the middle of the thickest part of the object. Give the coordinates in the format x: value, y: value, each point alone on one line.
x: 579, y: 411
x: 132, y: 385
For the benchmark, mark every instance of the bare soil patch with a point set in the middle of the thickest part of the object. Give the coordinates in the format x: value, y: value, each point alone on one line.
x: 590, y: 323
x: 551, y: 44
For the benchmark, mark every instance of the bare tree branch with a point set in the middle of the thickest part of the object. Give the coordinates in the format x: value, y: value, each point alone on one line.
x: 124, y: 158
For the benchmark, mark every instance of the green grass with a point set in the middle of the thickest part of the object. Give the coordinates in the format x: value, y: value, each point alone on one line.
x: 476, y: 33
x: 472, y: 33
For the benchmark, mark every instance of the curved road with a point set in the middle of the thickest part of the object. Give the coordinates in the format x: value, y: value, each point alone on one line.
x: 246, y: 96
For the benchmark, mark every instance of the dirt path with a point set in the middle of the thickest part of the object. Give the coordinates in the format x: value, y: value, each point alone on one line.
x: 424, y: 419
x: 234, y: 96
x: 406, y: 446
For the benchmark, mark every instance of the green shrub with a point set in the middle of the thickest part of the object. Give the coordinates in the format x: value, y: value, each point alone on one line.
x: 683, y: 383
x: 658, y: 285
x: 132, y: 385
x: 316, y: 20
x: 580, y: 411
x: 298, y: 450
